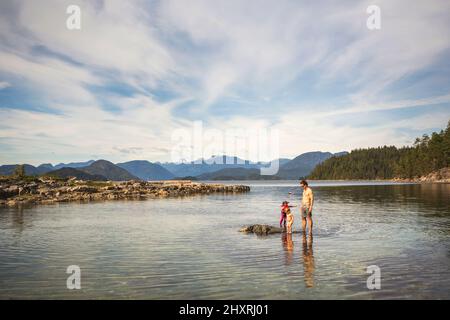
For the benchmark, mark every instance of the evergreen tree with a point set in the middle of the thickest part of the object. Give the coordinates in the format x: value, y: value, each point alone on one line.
x: 19, y: 171
x: 428, y: 154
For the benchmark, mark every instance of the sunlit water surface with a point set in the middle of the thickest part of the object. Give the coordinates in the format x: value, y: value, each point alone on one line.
x: 190, y: 248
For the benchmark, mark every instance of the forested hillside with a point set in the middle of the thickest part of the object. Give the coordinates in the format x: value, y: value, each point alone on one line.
x: 427, y: 154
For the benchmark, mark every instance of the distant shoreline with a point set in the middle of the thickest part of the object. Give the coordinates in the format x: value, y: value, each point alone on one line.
x: 399, y: 180
x: 439, y: 176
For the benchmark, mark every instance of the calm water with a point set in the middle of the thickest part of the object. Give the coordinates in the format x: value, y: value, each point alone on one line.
x: 189, y: 248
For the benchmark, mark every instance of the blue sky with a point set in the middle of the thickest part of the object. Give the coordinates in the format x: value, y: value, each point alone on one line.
x: 137, y: 71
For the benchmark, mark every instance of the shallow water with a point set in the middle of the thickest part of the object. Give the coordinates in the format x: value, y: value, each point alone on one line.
x: 189, y: 248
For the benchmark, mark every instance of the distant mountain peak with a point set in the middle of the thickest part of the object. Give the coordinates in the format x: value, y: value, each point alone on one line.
x: 146, y: 170
x: 67, y: 172
x: 74, y: 164
x: 109, y: 170
x: 303, y: 164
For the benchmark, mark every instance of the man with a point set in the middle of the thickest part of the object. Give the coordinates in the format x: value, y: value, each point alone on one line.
x: 307, y: 206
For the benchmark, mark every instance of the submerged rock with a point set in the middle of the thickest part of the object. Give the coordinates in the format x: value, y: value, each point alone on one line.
x: 263, y: 229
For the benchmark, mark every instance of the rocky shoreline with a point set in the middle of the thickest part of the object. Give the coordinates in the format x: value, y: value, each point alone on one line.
x: 439, y: 176
x: 30, y: 191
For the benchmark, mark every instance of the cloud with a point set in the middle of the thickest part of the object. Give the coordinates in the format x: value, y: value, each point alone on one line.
x: 385, y: 106
x: 59, y: 81
x: 299, y: 133
x: 117, y: 35
x: 90, y: 130
x: 4, y: 85
x: 264, y: 47
x: 246, y: 43
x: 138, y: 70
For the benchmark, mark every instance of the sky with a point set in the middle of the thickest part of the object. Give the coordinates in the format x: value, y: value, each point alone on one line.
x: 139, y: 73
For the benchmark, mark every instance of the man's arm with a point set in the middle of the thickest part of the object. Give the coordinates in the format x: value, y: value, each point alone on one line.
x: 311, y: 201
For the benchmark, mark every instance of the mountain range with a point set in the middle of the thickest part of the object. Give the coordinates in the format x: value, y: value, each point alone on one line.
x: 293, y: 169
x: 146, y: 170
x: 108, y: 170
x: 214, y: 168
x: 302, y: 165
x: 236, y: 174
x: 202, y: 166
x: 67, y: 172
x: 71, y: 165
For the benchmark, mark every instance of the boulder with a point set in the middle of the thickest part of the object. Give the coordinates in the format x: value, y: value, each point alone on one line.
x: 261, y: 229
x: 9, y: 192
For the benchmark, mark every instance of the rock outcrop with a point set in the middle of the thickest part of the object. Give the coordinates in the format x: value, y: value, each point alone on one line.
x: 263, y: 229
x: 442, y: 175
x: 48, y: 190
x: 439, y: 176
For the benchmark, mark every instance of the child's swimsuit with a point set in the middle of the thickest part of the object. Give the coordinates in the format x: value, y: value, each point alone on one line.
x: 283, y: 216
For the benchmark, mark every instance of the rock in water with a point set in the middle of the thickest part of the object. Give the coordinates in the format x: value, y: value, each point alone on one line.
x: 261, y: 229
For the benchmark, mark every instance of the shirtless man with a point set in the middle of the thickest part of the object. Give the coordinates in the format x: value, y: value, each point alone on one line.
x: 307, y: 206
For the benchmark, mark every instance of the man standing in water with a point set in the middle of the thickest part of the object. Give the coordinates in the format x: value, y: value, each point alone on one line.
x: 307, y: 206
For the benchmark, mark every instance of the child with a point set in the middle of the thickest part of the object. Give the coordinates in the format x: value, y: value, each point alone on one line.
x: 284, y: 205
x: 290, y: 220
x: 284, y: 208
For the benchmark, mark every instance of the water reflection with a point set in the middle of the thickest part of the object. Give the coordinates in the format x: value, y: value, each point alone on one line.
x: 288, y: 246
x: 308, y: 260
x: 307, y: 257
x: 18, y: 222
x: 17, y: 219
x: 425, y: 196
x: 404, y: 229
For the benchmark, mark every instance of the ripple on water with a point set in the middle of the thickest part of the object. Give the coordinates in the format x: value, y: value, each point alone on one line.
x: 190, y: 248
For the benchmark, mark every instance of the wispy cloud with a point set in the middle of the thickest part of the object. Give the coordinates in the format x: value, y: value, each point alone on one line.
x: 4, y: 85
x: 138, y: 70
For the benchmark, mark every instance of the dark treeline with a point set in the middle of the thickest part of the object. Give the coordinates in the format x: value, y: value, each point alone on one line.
x: 428, y: 154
